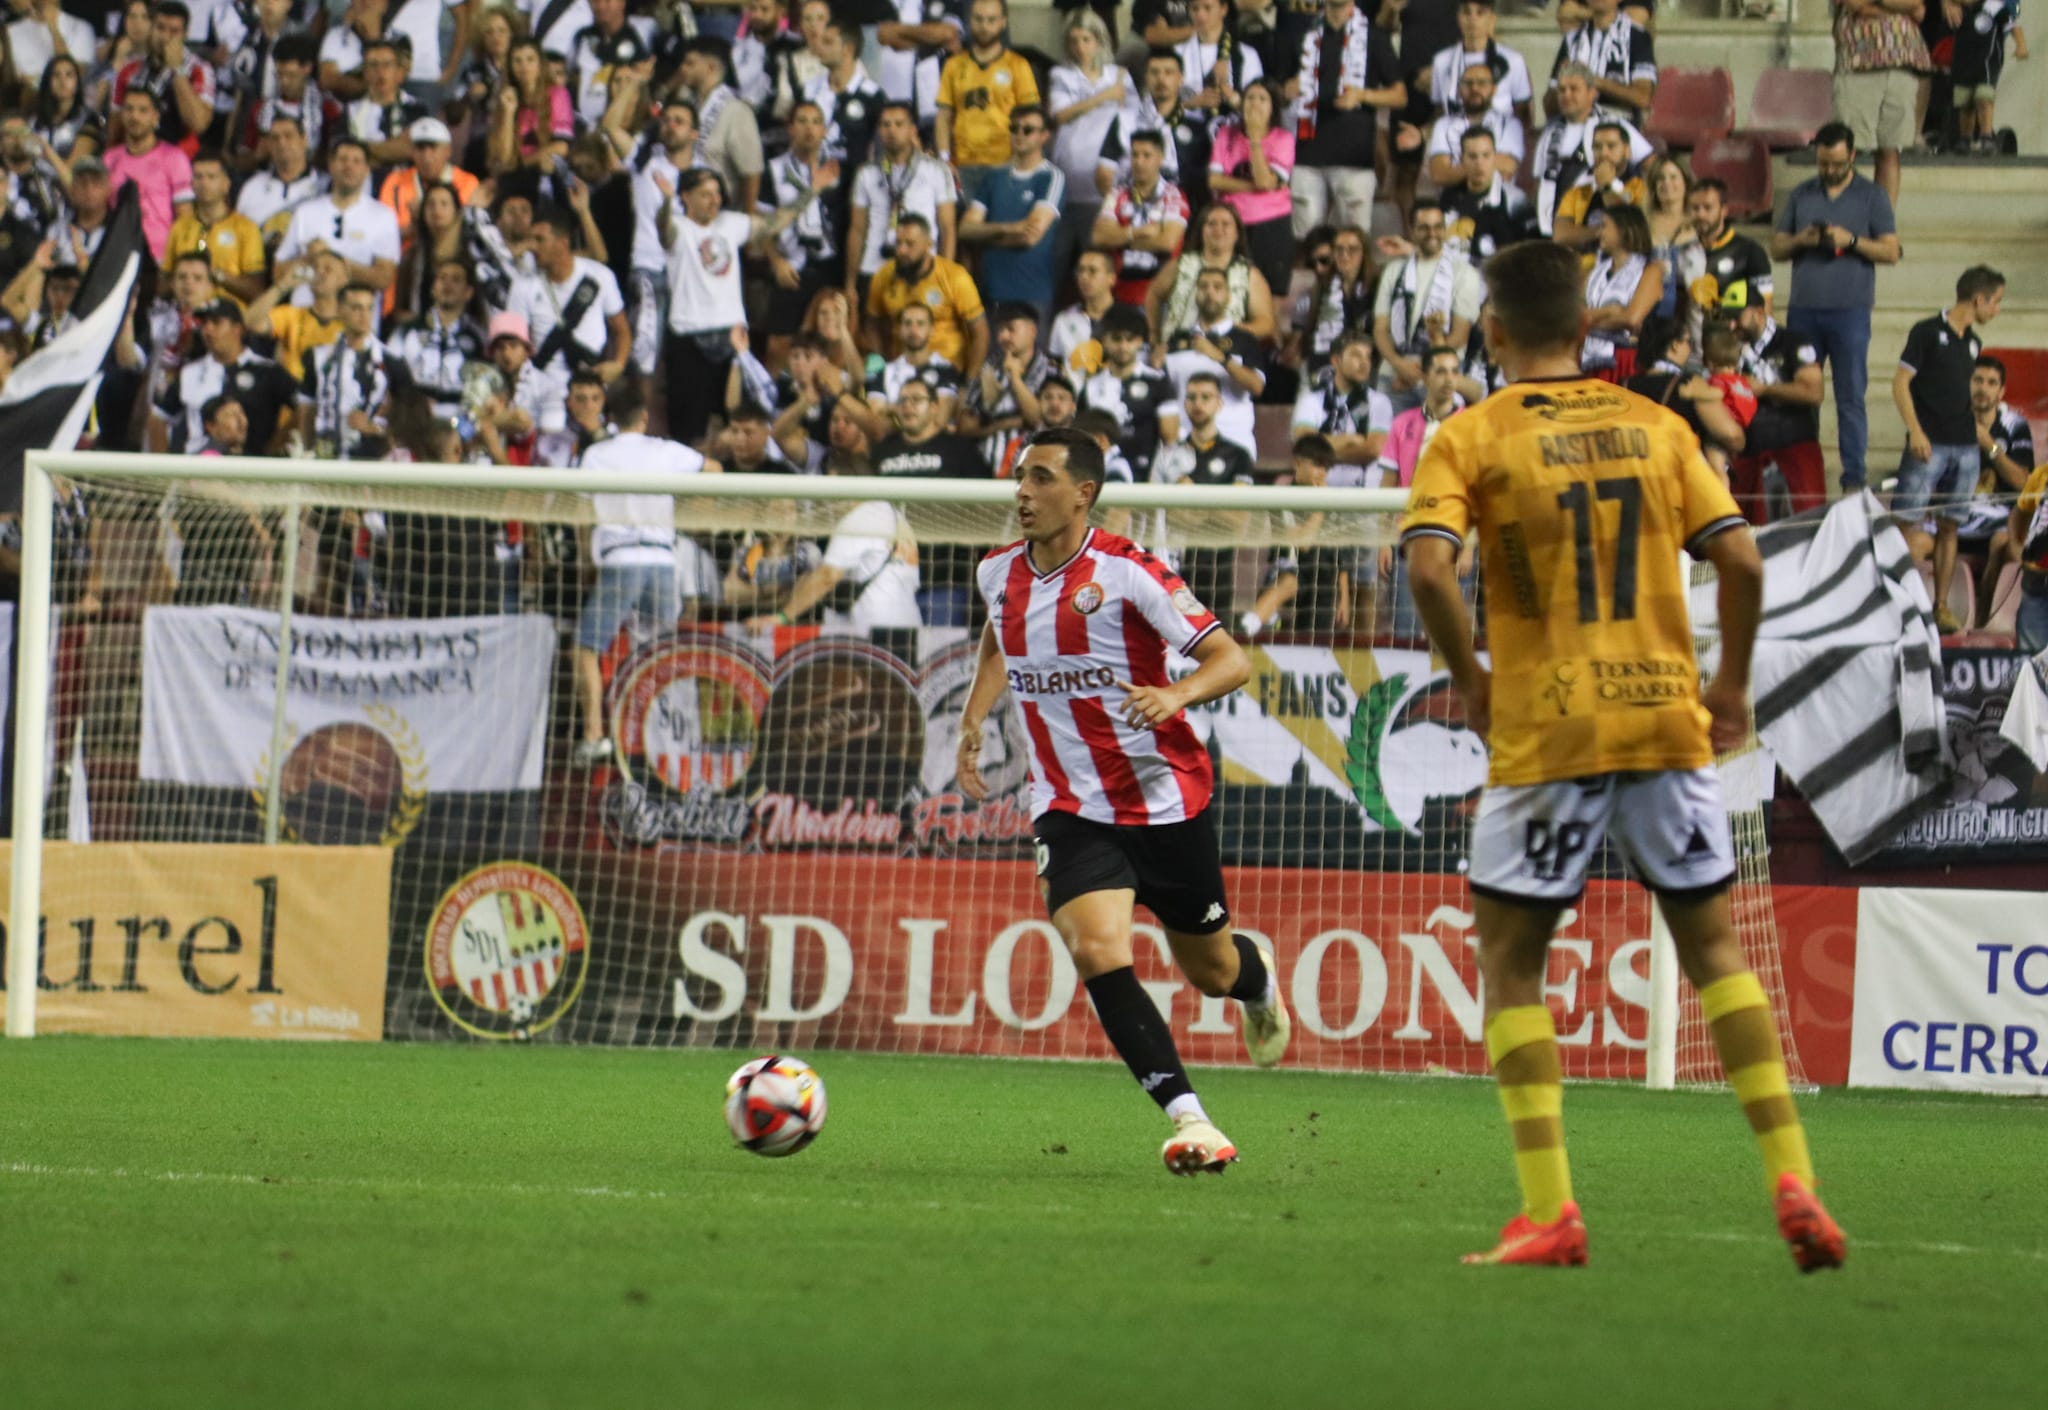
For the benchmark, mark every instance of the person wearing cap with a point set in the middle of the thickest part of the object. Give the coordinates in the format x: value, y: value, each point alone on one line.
x: 210, y: 225
x: 161, y: 172
x: 263, y: 388
x: 91, y: 205
x: 382, y: 119
x: 432, y: 162
x: 506, y: 424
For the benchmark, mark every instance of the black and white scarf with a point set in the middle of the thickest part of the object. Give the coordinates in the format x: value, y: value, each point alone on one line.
x: 1407, y: 314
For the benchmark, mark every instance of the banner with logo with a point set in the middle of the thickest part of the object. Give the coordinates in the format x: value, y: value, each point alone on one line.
x: 203, y: 941
x: 1996, y: 807
x: 1951, y: 992
x: 956, y: 956
x: 380, y: 716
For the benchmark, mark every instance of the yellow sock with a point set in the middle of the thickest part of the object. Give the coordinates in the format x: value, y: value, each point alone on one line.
x: 1739, y: 1018
x: 1522, y: 1042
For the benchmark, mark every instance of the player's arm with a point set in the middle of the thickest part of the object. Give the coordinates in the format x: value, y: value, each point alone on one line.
x: 1433, y: 582
x: 981, y: 698
x: 1739, y: 590
x: 1220, y: 667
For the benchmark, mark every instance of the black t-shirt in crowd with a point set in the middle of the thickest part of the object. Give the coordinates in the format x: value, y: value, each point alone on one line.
x: 1174, y: 12
x: 944, y: 456
x: 1779, y: 424
x: 1941, y: 361
x: 1221, y: 462
x: 1346, y: 138
x: 1496, y: 224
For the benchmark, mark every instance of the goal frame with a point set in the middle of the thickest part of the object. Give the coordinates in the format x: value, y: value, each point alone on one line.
x: 33, y: 625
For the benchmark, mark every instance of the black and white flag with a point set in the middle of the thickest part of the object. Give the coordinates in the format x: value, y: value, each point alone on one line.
x: 47, y: 400
x: 1847, y: 672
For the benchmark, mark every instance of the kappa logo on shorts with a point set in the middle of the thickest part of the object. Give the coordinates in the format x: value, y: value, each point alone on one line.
x: 1087, y: 598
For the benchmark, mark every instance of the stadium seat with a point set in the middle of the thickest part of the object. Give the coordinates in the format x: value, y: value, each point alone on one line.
x: 1691, y: 107
x: 1789, y: 105
x: 1743, y: 162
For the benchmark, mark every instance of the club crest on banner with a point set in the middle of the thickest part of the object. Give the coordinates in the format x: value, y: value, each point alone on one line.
x: 507, y: 951
x: 686, y: 713
x: 350, y: 783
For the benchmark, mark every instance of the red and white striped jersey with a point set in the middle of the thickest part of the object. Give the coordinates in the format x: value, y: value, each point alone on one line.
x: 1109, y: 613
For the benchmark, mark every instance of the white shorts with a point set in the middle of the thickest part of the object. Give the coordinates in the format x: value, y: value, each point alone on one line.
x: 1534, y: 842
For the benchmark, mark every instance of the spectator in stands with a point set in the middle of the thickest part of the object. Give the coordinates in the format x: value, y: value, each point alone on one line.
x: 1476, y: 111
x: 382, y: 119
x: 1721, y: 351
x: 1340, y: 300
x: 870, y: 558
x: 1349, y: 72
x: 899, y: 181
x: 845, y: 93
x: 1221, y: 246
x: 1000, y: 404
x: 210, y: 225
x: 341, y: 49
x: 1058, y: 403
x: 1161, y: 23
x: 532, y: 120
x: 1087, y: 92
x: 431, y: 152
x: 1341, y: 405
x: 1931, y: 389
x: 269, y: 197
x: 262, y: 387
x: 1250, y: 163
x: 66, y: 127
x: 1622, y: 288
x: 226, y: 426
x: 1310, y: 584
x: 730, y: 136
x: 804, y: 258
x: 1432, y: 296
x: 1183, y: 137
x: 345, y: 396
x: 960, y: 331
x: 745, y: 447
x: 612, y: 43
x: 1620, y: 54
x: 1664, y: 376
x: 439, y: 345
x: 295, y: 96
x: 160, y: 170
x: 1131, y: 390
x: 915, y: 361
x: 1216, y: 66
x: 1564, y: 156
x: 1835, y: 228
x: 1879, y: 57
x: 2005, y: 448
x: 978, y: 89
x: 1144, y: 221
x: 1476, y: 44
x: 643, y: 566
x: 348, y: 220
x: 1723, y: 269
x: 179, y: 81
x: 1978, y: 59
x: 1217, y: 346
x: 1780, y: 471
x: 1080, y: 323
x: 912, y: 440
x: 45, y: 33
x: 448, y: 230
x: 1581, y: 210
x: 1013, y: 216
x: 1485, y: 213
x: 913, y: 47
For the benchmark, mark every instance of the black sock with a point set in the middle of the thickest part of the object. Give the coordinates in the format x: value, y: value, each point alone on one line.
x: 1139, y: 1035
x: 1251, y: 971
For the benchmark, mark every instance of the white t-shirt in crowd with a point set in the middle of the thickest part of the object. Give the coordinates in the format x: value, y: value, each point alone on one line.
x: 637, y: 528
x: 543, y: 301
x: 29, y: 42
x: 870, y: 547
x: 363, y: 232
x: 704, y: 273
x: 922, y: 185
x: 1079, y: 143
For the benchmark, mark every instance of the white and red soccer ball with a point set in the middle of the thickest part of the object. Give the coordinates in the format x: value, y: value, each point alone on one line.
x: 775, y: 1105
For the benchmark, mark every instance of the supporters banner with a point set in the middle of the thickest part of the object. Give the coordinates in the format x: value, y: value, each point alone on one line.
x: 1951, y: 992
x: 1995, y: 808
x: 379, y: 715
x: 1347, y: 757
x: 199, y: 941
x: 952, y: 956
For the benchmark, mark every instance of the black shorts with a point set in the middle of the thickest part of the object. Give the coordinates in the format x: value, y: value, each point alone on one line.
x: 1176, y: 868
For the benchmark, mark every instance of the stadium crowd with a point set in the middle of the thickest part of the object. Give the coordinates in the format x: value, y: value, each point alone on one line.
x: 875, y: 238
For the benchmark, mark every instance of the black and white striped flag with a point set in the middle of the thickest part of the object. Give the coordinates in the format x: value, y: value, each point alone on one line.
x: 1847, y: 673
x: 47, y: 400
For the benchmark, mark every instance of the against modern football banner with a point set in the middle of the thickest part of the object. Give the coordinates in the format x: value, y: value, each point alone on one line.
x: 449, y: 705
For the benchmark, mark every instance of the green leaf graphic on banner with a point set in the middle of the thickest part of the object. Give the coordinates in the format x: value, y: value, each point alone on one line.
x: 1362, y: 750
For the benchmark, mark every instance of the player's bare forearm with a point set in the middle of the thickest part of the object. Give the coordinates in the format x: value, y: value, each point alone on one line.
x: 1740, y: 595
x: 1220, y: 667
x: 1433, y: 583
x: 981, y: 698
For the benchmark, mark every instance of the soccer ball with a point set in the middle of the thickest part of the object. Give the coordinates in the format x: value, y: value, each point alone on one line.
x: 775, y: 1105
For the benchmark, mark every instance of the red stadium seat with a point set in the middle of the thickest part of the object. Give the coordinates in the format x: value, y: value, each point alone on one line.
x: 1743, y: 162
x: 1691, y: 107
x: 1789, y: 106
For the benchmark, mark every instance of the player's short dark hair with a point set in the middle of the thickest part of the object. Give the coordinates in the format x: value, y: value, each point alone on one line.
x: 1835, y: 134
x: 1211, y: 378
x: 1978, y: 280
x: 1126, y: 318
x: 1316, y: 448
x: 562, y: 221
x: 1094, y: 421
x: 625, y: 403
x: 1537, y: 292
x: 1083, y: 456
x: 1151, y: 137
x: 1160, y: 51
x: 1993, y: 364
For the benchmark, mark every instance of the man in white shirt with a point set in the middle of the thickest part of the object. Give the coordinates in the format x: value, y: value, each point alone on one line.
x: 871, y: 549
x: 1216, y: 66
x: 270, y: 198
x: 672, y: 151
x: 1564, y: 151
x: 611, y: 41
x: 704, y: 240
x: 348, y: 220
x: 44, y: 33
x: 574, y: 311
x: 1511, y: 90
x: 901, y: 180
x: 635, y: 549
x: 1476, y: 108
x: 1430, y: 297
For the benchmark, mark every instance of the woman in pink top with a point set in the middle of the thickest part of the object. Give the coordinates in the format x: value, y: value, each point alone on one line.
x: 533, y: 120
x: 1249, y: 166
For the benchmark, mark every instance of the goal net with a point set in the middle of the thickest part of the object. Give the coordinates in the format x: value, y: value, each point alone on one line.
x: 317, y: 760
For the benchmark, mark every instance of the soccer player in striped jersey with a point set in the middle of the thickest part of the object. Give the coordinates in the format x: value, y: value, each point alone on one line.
x: 1582, y: 495
x: 1080, y: 622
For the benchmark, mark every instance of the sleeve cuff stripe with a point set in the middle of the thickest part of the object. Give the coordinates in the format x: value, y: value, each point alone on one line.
x: 1422, y: 531
x: 1722, y: 525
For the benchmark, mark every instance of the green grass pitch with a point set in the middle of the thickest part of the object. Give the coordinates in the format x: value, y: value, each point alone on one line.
x: 222, y: 1225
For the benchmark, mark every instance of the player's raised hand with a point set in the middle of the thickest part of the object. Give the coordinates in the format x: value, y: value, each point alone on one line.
x: 967, y: 765
x: 1728, y: 708
x: 1148, y: 706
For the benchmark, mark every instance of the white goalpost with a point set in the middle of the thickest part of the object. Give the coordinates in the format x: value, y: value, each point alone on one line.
x: 310, y: 772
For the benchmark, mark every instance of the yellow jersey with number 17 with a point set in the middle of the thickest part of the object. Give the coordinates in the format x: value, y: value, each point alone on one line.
x: 1582, y: 494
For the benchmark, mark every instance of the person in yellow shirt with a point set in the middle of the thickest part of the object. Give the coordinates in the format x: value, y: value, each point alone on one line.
x: 917, y: 275
x: 1582, y: 495
x: 298, y: 331
x: 977, y: 89
x: 213, y: 227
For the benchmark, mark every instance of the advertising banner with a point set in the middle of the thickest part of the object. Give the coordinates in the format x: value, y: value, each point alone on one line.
x: 1996, y: 806
x: 202, y: 941
x: 1951, y: 992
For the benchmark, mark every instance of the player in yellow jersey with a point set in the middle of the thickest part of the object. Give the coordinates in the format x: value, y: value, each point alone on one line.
x: 1582, y: 495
